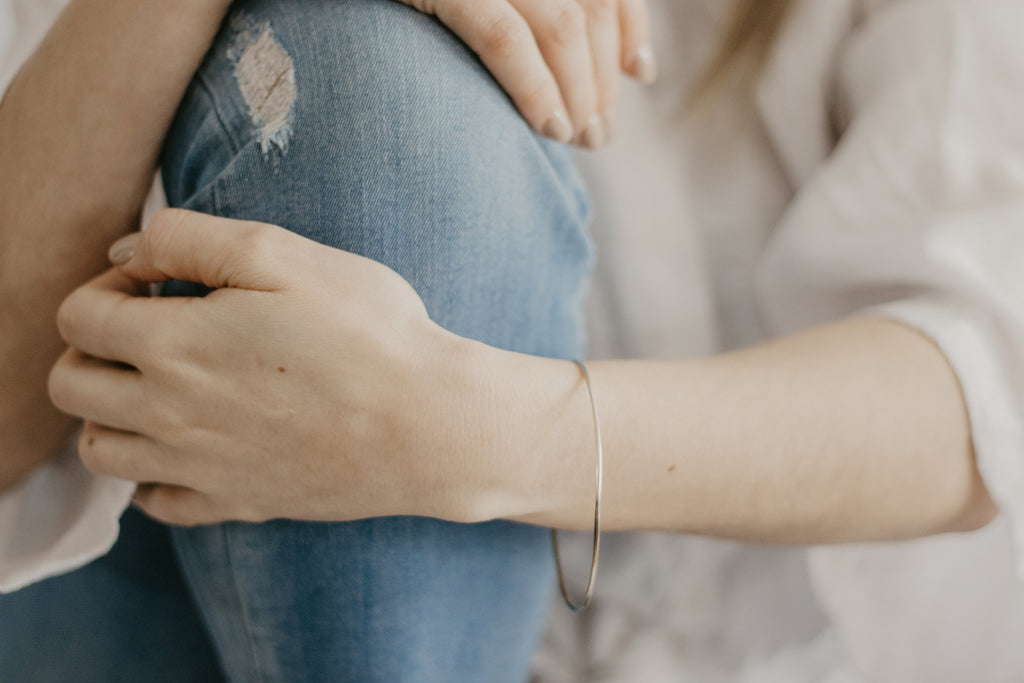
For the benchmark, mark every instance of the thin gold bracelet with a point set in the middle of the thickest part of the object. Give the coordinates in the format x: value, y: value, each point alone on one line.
x: 582, y: 605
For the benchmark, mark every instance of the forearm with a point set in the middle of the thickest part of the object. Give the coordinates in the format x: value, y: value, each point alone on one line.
x: 80, y: 132
x: 853, y: 432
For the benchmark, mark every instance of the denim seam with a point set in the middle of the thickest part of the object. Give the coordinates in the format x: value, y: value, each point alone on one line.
x: 242, y: 605
x: 215, y: 203
x: 233, y: 144
x: 215, y: 107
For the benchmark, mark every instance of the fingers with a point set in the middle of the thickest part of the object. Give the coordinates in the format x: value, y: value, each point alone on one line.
x: 505, y: 43
x: 216, y: 252
x: 106, y: 318
x: 637, y: 54
x: 133, y: 457
x: 561, y: 31
x: 125, y: 455
x: 559, y: 60
x: 604, y: 35
x: 181, y: 506
x: 98, y: 391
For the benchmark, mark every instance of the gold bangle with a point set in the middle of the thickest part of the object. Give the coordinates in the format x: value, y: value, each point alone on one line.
x: 582, y: 605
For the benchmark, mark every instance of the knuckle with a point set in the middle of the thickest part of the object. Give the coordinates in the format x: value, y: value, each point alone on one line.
x: 225, y: 507
x: 182, y: 519
x: 504, y: 37
x: 601, y: 10
x: 157, y: 511
x: 260, y: 246
x: 261, y: 243
x: 538, y: 98
x: 160, y: 503
x: 569, y: 25
x: 167, y: 426
x: 252, y: 517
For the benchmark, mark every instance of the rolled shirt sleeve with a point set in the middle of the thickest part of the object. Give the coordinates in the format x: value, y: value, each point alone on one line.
x: 916, y: 212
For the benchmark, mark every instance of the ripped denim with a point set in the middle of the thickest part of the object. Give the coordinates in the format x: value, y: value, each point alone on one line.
x: 366, y: 126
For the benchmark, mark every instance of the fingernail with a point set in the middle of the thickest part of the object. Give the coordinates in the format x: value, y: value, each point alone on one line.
x: 645, y: 65
x: 122, y: 250
x: 593, y: 135
x: 611, y: 124
x: 558, y: 127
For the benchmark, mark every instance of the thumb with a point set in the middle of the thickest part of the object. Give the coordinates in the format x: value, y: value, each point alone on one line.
x: 196, y: 247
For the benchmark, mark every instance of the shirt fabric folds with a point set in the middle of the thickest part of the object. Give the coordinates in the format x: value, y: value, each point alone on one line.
x: 876, y: 169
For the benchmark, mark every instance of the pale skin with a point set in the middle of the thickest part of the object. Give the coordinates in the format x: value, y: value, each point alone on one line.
x: 348, y: 402
x: 559, y: 60
x: 82, y: 125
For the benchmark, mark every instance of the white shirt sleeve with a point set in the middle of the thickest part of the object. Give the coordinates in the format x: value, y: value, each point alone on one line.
x: 61, y: 517
x: 918, y: 214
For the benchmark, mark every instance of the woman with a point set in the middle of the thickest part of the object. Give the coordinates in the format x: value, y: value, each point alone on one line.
x: 305, y: 115
x: 882, y: 164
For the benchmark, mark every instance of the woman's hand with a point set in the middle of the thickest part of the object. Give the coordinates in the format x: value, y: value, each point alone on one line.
x: 559, y: 60
x: 293, y: 390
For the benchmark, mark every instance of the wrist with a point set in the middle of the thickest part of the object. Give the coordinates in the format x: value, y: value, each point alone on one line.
x: 459, y: 401
x: 534, y: 422
x: 458, y: 477
x: 511, y: 435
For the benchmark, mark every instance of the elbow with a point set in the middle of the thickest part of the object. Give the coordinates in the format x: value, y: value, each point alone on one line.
x: 977, y: 516
x: 976, y: 509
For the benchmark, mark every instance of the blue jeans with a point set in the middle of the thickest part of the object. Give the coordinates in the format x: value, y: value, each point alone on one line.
x: 367, y: 126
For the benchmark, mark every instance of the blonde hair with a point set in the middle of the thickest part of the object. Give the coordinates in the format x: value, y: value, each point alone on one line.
x: 749, y: 35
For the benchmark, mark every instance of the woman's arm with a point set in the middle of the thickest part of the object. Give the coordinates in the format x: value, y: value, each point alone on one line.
x: 851, y: 432
x: 855, y: 431
x: 80, y: 131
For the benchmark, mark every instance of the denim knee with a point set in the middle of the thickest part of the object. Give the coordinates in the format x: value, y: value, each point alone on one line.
x: 367, y: 126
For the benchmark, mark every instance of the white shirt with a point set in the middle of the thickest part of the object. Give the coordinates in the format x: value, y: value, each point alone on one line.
x: 880, y: 168
x: 880, y: 165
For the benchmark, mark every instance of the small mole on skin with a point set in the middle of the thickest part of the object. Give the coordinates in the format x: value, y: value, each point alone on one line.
x: 280, y: 369
x: 671, y: 468
x: 92, y: 440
